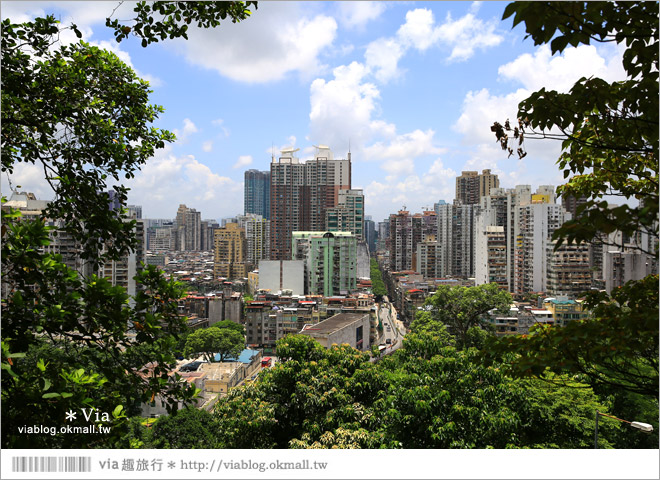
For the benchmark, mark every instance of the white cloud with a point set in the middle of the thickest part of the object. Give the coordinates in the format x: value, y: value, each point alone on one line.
x: 243, y: 161
x: 382, y: 58
x: 273, y: 42
x: 398, y: 155
x: 341, y: 108
x: 467, y: 34
x: 414, y: 191
x: 530, y: 72
x: 219, y: 122
x: 560, y: 72
x: 166, y: 181
x: 207, y: 146
x: 358, y: 14
x: 419, y: 30
x: 188, y: 129
x: 27, y: 178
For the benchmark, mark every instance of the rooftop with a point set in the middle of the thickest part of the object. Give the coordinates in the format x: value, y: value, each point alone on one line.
x: 334, y: 323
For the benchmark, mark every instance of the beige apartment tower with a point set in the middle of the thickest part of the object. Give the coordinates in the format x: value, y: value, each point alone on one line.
x: 230, y: 250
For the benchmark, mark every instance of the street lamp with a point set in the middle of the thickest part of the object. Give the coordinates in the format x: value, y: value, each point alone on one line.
x: 644, y: 427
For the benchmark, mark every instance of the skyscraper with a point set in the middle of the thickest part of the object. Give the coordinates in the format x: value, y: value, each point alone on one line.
x: 229, y: 258
x: 189, y: 228
x: 330, y: 259
x: 257, y: 193
x: 348, y: 215
x: 301, y: 194
x: 456, y: 239
x: 472, y: 186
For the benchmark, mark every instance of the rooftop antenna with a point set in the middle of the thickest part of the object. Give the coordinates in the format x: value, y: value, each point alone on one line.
x: 272, y: 151
x: 349, y: 148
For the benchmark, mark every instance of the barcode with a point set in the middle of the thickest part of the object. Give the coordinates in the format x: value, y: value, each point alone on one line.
x: 51, y: 464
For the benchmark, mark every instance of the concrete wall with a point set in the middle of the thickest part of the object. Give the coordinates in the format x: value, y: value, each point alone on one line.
x: 276, y: 275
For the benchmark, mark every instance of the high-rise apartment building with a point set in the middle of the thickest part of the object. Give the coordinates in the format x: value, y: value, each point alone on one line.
x: 406, y: 232
x: 257, y: 233
x: 535, y: 224
x: 189, y: 227
x: 400, y: 241
x: 370, y: 235
x: 330, y: 260
x: 348, y: 215
x: 230, y: 250
x: 569, y: 271
x: 257, y: 193
x: 472, y: 186
x: 455, y: 224
x: 301, y: 194
x: 490, y: 256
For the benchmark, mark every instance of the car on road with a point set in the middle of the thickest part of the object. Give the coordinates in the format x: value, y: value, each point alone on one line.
x: 388, y: 341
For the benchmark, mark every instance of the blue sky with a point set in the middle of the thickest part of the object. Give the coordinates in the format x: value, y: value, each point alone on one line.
x: 413, y: 86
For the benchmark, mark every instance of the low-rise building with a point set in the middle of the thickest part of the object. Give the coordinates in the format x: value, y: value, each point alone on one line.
x: 350, y: 328
x: 565, y: 310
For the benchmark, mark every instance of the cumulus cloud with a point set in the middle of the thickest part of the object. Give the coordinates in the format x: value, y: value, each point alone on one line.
x: 27, y: 178
x: 274, y: 41
x: 382, y: 58
x: 560, y: 72
x: 414, y: 191
x: 207, y: 146
x: 397, y: 156
x: 168, y: 180
x: 243, y: 161
x: 420, y: 31
x: 341, y: 108
x: 358, y: 14
x: 528, y: 72
x: 182, y: 135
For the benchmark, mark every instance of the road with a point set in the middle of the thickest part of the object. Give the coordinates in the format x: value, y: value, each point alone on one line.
x: 393, y: 329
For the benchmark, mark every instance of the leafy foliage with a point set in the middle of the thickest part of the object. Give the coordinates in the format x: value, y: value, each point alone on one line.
x: 377, y: 284
x: 609, y: 135
x: 188, y: 428
x: 155, y: 21
x: 83, y: 116
x: 227, y: 342
x: 461, y: 308
x: 616, y: 347
x: 73, y: 341
x: 425, y: 395
x: 66, y: 338
x: 609, y: 131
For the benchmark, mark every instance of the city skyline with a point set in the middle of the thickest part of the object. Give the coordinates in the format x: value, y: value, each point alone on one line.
x: 410, y: 88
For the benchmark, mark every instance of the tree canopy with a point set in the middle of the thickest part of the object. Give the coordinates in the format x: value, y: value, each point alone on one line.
x: 461, y: 308
x: 608, y: 130
x: 227, y: 342
x: 609, y: 135
x: 72, y: 340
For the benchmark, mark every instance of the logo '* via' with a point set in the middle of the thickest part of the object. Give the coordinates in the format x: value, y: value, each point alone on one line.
x: 70, y: 415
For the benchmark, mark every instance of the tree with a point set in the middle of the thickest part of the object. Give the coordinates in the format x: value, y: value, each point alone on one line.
x: 189, y: 428
x: 65, y: 340
x: 69, y: 341
x: 377, y: 285
x: 609, y: 135
x: 155, y: 21
x: 461, y: 308
x: 609, y: 131
x: 228, y: 324
x: 616, y: 347
x: 210, y: 341
x: 425, y: 395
